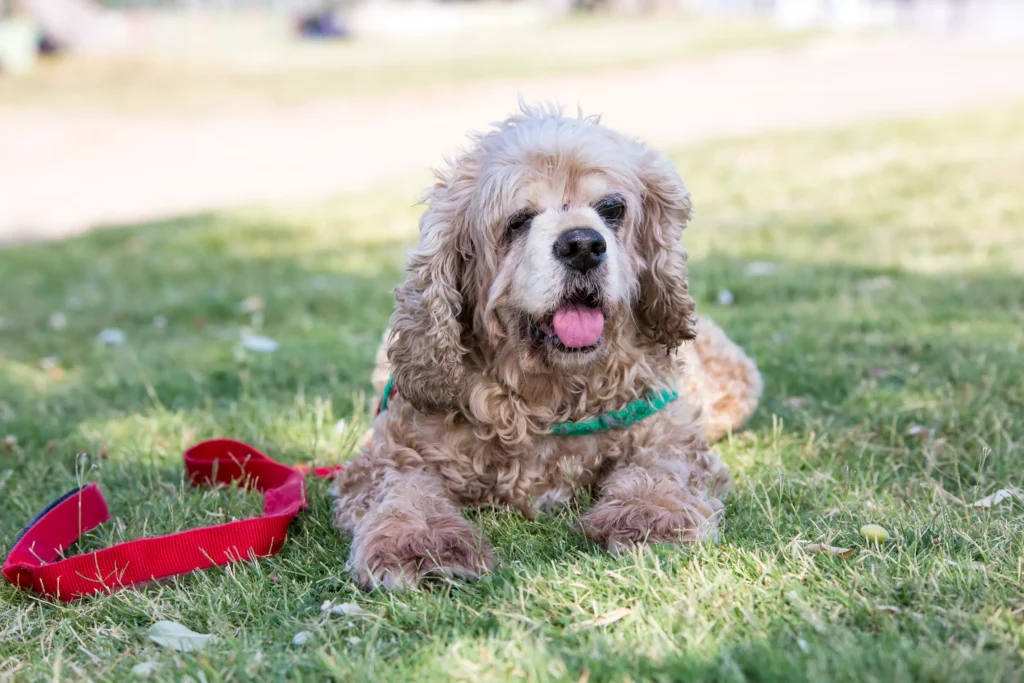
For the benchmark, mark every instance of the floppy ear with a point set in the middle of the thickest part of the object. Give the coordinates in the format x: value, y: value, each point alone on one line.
x: 426, y: 349
x: 665, y: 311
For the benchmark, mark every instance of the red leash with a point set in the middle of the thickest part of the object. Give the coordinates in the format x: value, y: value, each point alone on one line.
x: 34, y: 561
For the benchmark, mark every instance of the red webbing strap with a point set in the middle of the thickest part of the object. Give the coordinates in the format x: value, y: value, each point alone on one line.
x: 34, y: 561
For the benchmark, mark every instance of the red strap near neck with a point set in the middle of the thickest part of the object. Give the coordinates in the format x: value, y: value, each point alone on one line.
x: 34, y: 561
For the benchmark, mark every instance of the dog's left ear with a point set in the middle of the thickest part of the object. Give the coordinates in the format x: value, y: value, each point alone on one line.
x: 665, y: 310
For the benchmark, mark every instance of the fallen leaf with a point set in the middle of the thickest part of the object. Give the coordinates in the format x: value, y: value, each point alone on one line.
x: 302, y: 637
x: 259, y: 344
x: 725, y: 297
x: 111, y: 337
x: 175, y: 636
x: 144, y: 669
x: 828, y: 549
x: 998, y: 497
x: 874, y: 533
x: 352, y: 640
x: 606, y: 619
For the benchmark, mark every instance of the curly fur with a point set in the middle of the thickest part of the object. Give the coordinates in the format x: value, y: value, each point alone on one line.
x: 476, y: 391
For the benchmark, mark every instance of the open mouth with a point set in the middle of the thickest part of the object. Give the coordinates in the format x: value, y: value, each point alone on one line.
x: 577, y: 326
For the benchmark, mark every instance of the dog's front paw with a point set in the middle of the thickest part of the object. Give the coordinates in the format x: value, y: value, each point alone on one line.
x: 399, y: 551
x: 621, y: 524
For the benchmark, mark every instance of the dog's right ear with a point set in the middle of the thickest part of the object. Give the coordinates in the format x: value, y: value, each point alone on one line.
x: 426, y: 349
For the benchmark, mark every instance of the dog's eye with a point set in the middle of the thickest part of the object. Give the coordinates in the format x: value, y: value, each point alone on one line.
x: 519, y: 222
x: 611, y: 210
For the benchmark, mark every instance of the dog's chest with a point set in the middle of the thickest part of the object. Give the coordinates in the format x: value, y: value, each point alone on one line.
x: 539, y: 476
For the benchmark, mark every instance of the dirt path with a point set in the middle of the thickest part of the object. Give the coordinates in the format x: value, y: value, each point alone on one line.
x: 65, y: 173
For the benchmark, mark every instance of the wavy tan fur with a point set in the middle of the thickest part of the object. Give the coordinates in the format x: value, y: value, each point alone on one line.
x: 467, y: 427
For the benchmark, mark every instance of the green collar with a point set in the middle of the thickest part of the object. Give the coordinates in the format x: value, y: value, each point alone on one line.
x: 623, y: 418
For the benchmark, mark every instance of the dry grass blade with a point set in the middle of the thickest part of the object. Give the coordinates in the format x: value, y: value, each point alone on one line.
x: 826, y: 549
x: 605, y: 619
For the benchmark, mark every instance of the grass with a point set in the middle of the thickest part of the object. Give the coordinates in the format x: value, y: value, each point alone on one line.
x: 889, y: 332
x: 253, y: 70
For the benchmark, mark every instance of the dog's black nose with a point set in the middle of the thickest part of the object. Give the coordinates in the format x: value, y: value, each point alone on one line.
x: 581, y: 249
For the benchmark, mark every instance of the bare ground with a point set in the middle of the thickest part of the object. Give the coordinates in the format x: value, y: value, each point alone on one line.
x: 64, y: 173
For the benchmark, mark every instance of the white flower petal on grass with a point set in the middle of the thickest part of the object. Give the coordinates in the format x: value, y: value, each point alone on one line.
x: 259, y: 343
x: 159, y: 322
x: 725, y: 297
x: 340, y: 427
x: 175, y: 636
x: 998, y: 497
x: 352, y: 640
x: 301, y: 638
x: 58, y: 321
x: 48, y: 363
x: 144, y: 669
x: 111, y: 337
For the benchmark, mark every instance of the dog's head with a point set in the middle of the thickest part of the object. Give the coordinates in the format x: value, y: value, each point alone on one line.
x: 553, y: 237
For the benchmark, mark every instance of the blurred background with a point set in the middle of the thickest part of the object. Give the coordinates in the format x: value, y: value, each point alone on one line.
x: 116, y: 111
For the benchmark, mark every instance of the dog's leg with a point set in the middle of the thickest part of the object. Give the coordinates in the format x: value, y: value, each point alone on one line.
x: 673, y: 498
x: 720, y: 378
x: 404, y: 528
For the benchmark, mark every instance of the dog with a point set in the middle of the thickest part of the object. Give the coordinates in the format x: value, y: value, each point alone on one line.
x: 540, y: 340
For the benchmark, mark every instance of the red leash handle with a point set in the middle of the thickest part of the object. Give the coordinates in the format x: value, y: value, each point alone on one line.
x: 34, y: 561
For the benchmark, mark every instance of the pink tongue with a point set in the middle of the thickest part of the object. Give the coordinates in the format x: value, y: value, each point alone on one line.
x: 578, y: 326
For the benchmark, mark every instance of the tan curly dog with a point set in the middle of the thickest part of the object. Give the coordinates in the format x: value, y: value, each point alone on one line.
x: 548, y: 287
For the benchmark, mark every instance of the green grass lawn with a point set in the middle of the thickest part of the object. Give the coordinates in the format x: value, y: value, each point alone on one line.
x: 275, y: 71
x: 889, y: 326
